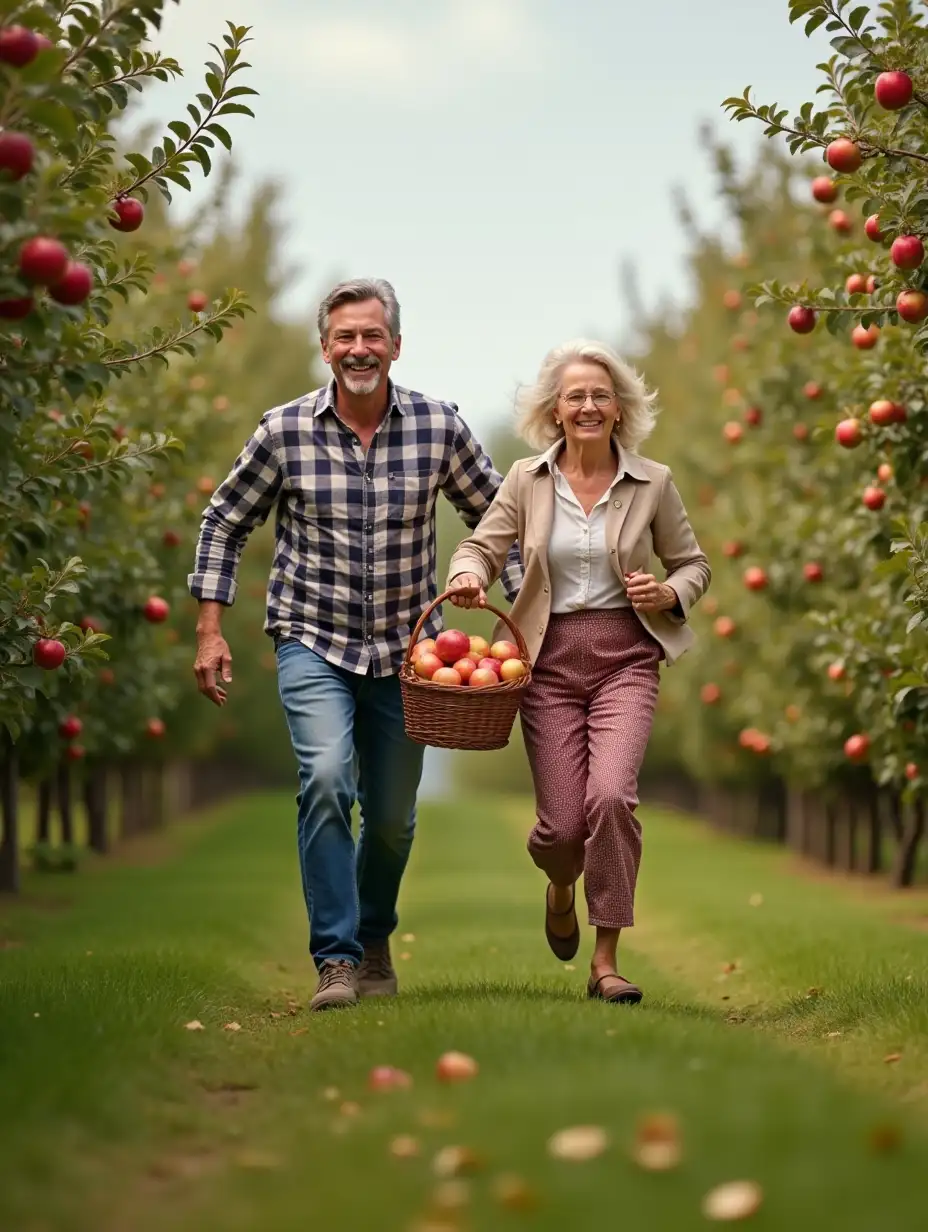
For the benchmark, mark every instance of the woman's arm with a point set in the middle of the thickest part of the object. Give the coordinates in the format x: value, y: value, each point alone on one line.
x: 688, y: 572
x: 483, y: 554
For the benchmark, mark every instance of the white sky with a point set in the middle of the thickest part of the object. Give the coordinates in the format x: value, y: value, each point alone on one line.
x: 497, y: 160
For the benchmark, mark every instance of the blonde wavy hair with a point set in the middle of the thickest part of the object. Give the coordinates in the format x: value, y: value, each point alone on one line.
x: 535, y: 403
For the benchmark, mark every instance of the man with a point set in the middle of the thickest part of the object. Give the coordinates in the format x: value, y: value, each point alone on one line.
x: 354, y: 470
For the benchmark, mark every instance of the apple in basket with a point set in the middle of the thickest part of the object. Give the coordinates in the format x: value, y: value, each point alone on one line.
x: 482, y: 678
x: 490, y: 665
x: 512, y: 669
x: 504, y: 650
x: 427, y: 664
x: 426, y: 646
x: 465, y: 668
x: 452, y: 645
x: 446, y: 676
x: 479, y: 649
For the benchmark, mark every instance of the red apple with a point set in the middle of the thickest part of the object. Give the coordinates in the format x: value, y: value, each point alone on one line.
x: 911, y: 771
x: 483, y: 678
x: 824, y: 189
x: 206, y: 484
x: 800, y: 432
x: 907, y: 252
x: 156, y: 610
x: 18, y: 46
x: 15, y: 309
x: 171, y: 539
x: 74, y: 286
x: 874, y: 498
x: 155, y: 729
x: 512, y: 669
x: 197, y: 301
x: 801, y: 320
x: 865, y: 339
x: 732, y: 300
x: 427, y: 664
x: 843, y: 155
x: 75, y: 752
x: 107, y: 676
x: 912, y: 306
x: 884, y: 472
x: 732, y: 549
x: 43, y: 260
x: 755, y: 578
x: 48, y: 653
x: 812, y: 571
x: 446, y: 676
x: 855, y: 284
x: 128, y: 213
x: 451, y: 644
x: 733, y: 432
x: 893, y: 90
x: 388, y: 1078
x: 872, y: 228
x: 16, y: 154
x: 753, y: 416
x: 83, y: 449
x: 456, y: 1067
x: 857, y: 747
x: 848, y: 433
x: 840, y: 222
x: 504, y: 650
x: 89, y: 625
x: 882, y: 412
x: 872, y: 283
x: 724, y: 626
x: 425, y: 646
x: 465, y: 668
x: 710, y: 694
x: 70, y: 727
x: 490, y: 664
x: 479, y: 648
x: 836, y: 671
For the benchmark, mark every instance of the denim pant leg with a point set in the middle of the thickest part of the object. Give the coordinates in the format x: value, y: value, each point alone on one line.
x: 319, y: 702
x: 390, y: 767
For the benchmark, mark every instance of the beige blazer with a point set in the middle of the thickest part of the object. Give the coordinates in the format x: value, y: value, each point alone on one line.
x: 645, y: 517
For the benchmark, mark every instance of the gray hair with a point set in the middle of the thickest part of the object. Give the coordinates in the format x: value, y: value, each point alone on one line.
x: 355, y: 292
x: 536, y: 404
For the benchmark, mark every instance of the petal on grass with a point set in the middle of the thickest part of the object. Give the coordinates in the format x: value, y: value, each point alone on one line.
x: 733, y: 1201
x: 578, y: 1142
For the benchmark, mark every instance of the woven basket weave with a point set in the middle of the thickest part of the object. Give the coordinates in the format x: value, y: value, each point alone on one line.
x: 457, y: 716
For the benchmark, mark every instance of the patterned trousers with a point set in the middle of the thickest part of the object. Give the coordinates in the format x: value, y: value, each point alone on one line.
x: 587, y: 720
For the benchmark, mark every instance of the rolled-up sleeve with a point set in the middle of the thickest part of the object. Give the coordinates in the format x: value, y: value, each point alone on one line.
x: 240, y: 503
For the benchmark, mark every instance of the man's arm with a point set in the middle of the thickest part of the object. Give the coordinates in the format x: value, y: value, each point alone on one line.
x: 242, y: 502
x: 471, y: 483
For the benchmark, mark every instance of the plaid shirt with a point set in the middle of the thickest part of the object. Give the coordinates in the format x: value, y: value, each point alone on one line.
x: 354, y: 559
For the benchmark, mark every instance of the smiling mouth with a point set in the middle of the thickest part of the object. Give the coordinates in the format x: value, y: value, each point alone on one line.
x: 589, y: 423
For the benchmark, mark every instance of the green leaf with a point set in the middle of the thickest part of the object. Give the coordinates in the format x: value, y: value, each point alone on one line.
x: 180, y: 129
x: 218, y: 131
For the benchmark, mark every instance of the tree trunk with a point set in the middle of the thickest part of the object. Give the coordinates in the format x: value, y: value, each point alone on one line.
x: 906, y: 858
x: 95, y: 801
x: 43, y: 824
x: 131, y: 810
x: 65, y: 812
x: 9, y: 816
x: 871, y: 848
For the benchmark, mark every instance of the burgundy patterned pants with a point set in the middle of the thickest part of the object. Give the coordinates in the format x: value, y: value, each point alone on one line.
x: 587, y: 719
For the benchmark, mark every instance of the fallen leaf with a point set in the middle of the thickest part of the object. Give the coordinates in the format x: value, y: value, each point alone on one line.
x: 404, y: 1147
x: 349, y: 1108
x: 196, y: 1025
x: 569, y: 967
x: 331, y: 1094
x: 299, y: 1031
x: 514, y: 1193
x: 832, y: 1034
x: 232, y: 1026
x: 883, y: 1139
x: 657, y: 1142
x: 408, y: 937
x: 729, y: 967
x: 451, y: 1195
x: 579, y: 1142
x: 405, y: 956
x: 756, y: 900
x: 455, y: 1161
x: 892, y: 1057
x: 733, y: 1201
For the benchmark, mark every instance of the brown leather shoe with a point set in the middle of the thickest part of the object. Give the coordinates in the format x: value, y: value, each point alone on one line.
x: 614, y: 988
x: 376, y: 974
x: 338, y: 986
x: 564, y: 948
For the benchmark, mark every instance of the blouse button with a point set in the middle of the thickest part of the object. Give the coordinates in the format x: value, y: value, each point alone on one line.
x: 617, y: 504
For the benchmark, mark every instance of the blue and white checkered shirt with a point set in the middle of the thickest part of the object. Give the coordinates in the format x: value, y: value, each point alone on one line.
x: 354, y: 559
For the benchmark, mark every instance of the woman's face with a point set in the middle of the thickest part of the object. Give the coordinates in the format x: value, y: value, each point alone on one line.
x: 586, y: 407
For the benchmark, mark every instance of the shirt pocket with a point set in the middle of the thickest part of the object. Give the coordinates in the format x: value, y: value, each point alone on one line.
x: 409, y: 495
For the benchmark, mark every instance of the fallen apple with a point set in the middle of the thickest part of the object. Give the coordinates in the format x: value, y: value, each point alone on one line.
x: 456, y: 1067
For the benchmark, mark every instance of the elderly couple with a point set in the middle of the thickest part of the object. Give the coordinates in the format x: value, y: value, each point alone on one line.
x: 354, y: 470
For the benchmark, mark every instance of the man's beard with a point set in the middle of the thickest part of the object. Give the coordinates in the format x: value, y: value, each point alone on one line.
x: 361, y: 378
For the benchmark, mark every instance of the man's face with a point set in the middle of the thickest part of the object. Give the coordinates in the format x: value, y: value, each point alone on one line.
x: 359, y: 347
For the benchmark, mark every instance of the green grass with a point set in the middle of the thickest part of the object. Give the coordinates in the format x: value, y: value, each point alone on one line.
x: 114, y: 1117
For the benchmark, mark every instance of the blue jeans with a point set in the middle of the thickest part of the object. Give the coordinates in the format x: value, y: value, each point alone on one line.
x: 350, y: 743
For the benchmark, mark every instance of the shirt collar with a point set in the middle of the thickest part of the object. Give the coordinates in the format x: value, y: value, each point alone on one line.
x: 325, y: 399
x: 629, y: 463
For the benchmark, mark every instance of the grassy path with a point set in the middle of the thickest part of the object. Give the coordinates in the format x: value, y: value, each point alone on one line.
x: 115, y: 1118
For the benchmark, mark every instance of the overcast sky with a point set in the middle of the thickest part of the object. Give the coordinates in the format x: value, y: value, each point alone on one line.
x: 497, y: 160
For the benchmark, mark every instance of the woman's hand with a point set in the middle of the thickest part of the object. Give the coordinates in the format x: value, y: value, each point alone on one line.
x: 647, y: 594
x: 469, y: 591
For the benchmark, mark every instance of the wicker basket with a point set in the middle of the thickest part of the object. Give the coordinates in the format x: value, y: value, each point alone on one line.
x: 456, y: 716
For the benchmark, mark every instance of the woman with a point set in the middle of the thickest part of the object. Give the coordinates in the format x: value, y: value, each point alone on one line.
x: 587, y: 513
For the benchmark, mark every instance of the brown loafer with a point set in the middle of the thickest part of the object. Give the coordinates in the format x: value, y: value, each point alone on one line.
x: 564, y: 948
x: 619, y: 990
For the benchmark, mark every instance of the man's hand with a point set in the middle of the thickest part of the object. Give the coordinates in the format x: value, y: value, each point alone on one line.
x: 469, y: 591
x: 648, y: 594
x: 214, y: 659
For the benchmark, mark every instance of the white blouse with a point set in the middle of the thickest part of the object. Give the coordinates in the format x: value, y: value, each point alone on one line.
x: 578, y: 556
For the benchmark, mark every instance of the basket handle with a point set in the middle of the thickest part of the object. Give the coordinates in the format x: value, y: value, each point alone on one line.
x: 513, y: 628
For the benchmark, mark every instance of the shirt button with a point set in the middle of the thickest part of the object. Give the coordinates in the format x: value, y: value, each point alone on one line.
x: 546, y: 590
x: 368, y: 476
x: 541, y: 628
x: 617, y: 504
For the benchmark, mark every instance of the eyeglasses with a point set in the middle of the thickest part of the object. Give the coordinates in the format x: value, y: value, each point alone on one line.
x: 577, y: 401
